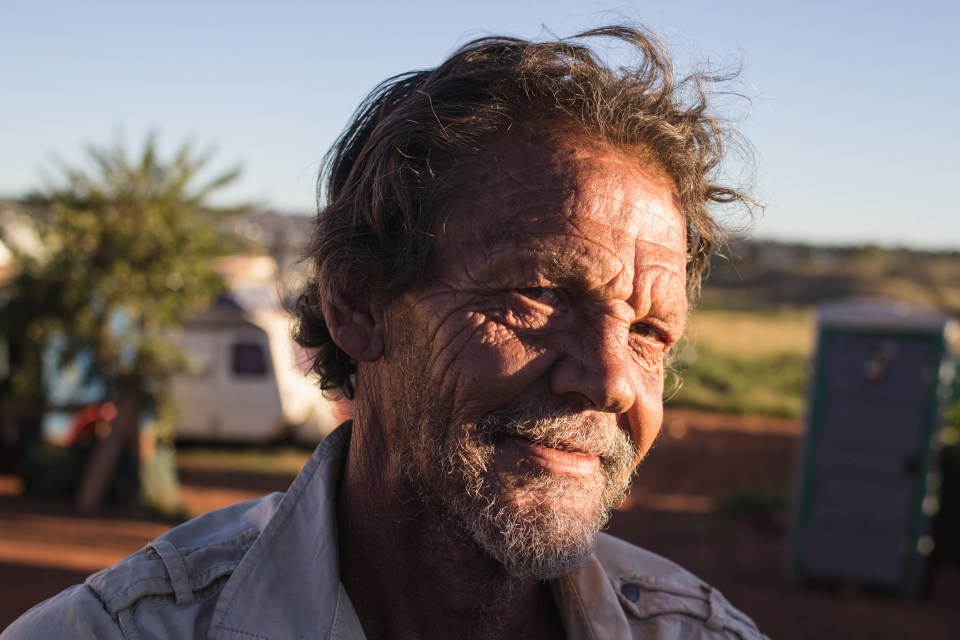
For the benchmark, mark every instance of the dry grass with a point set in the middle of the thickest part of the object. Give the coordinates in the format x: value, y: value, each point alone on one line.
x: 253, y: 459
x: 752, y: 334
x: 747, y: 362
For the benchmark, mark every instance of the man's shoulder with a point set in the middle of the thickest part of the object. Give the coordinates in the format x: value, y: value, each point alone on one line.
x: 654, y: 590
x: 187, y: 561
x: 187, y: 566
x: 623, y: 558
x: 74, y: 613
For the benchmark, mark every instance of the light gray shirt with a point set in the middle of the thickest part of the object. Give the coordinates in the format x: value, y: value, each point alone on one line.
x: 268, y: 569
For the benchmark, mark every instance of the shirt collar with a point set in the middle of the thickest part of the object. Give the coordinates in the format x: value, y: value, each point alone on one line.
x: 294, y: 565
x: 288, y: 583
x: 588, y: 603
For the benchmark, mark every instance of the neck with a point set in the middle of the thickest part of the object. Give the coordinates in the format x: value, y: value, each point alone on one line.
x: 409, y: 575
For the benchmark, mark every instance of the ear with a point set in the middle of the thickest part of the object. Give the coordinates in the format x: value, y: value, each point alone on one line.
x: 356, y: 331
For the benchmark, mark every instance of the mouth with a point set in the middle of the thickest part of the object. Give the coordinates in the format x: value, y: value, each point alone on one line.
x: 563, y: 458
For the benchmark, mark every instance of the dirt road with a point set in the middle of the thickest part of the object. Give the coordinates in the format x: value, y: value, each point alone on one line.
x: 701, y: 465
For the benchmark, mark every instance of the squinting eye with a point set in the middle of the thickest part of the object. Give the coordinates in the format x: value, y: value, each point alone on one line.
x: 644, y: 330
x: 539, y: 294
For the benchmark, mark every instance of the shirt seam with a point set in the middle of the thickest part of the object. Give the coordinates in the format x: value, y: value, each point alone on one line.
x: 163, y: 581
x: 725, y: 629
x: 578, y: 601
x: 276, y: 522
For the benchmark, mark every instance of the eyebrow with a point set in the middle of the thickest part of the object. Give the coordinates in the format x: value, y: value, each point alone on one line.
x: 563, y: 270
x: 501, y: 232
x: 566, y: 272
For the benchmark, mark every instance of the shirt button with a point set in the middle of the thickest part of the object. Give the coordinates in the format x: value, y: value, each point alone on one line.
x: 630, y: 591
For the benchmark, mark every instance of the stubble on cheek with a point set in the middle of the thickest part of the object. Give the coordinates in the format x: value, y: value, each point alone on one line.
x: 532, y: 521
x: 561, y: 426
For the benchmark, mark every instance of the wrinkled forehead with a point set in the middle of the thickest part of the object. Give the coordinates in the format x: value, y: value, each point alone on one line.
x: 524, y: 186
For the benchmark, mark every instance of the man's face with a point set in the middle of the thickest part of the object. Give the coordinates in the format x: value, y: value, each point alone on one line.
x: 525, y: 375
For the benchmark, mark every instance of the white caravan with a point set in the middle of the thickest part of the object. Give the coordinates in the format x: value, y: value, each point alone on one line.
x: 244, y: 384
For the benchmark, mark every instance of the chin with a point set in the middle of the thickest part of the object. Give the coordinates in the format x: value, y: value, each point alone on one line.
x: 507, y: 484
x: 538, y: 527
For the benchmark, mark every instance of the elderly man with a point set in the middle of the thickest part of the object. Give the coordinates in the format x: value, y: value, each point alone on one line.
x: 500, y: 270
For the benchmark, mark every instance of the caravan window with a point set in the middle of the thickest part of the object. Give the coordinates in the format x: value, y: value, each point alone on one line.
x: 248, y: 359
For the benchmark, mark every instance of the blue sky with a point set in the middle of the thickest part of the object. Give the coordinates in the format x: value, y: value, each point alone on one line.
x: 854, y: 105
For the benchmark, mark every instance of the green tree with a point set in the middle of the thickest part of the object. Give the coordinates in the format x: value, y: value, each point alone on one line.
x: 126, y: 254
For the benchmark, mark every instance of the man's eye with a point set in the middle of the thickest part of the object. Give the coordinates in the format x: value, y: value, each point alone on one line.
x: 645, y: 330
x: 540, y: 294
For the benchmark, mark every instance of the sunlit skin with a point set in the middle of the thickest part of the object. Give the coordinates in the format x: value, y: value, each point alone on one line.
x: 560, y: 275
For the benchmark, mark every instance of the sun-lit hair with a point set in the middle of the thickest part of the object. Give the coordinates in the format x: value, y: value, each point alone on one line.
x: 410, y: 147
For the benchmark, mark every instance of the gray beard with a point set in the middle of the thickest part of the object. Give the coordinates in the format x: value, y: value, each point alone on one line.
x: 555, y: 528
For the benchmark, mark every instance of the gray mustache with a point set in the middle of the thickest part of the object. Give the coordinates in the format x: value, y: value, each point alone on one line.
x: 556, y: 425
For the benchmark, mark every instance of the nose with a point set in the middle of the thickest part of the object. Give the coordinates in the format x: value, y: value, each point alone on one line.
x: 597, y: 367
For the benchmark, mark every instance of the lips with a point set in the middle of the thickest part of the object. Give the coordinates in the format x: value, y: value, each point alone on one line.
x: 562, y: 459
x: 566, y: 448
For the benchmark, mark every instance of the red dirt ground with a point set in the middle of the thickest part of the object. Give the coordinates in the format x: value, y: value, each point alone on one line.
x: 700, y: 460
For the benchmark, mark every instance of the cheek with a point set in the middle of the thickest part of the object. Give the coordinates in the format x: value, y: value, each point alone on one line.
x: 504, y: 356
x: 495, y: 365
x: 645, y: 418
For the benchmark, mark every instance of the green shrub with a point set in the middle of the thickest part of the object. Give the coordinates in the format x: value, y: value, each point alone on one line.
x: 771, y: 385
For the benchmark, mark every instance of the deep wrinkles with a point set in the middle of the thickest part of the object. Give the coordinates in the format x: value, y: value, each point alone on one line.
x: 449, y: 463
x: 550, y: 536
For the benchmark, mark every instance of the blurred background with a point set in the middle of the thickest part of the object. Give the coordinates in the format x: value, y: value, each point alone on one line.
x: 157, y: 172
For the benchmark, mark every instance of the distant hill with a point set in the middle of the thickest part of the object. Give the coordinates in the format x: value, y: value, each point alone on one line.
x: 746, y: 274
x: 755, y: 273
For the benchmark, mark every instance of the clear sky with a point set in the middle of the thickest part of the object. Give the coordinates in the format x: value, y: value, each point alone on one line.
x: 855, y: 105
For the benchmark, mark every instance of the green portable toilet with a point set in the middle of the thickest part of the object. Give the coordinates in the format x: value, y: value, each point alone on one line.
x: 867, y: 485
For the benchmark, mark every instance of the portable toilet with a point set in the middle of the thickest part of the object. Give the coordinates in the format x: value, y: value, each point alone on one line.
x: 867, y: 485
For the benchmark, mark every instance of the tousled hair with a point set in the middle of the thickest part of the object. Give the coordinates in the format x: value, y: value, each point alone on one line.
x: 384, y: 183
